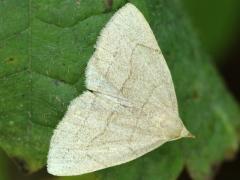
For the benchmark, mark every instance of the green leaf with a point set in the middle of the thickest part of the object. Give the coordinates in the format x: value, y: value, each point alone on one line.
x: 217, y: 26
x: 3, y: 166
x: 44, y: 49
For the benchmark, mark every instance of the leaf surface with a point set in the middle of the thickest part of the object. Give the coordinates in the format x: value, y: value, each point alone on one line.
x: 44, y: 49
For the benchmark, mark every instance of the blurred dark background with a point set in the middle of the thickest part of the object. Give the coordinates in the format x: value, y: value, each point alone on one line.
x: 217, y: 23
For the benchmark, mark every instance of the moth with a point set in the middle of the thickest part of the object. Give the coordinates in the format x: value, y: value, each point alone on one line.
x: 129, y: 108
